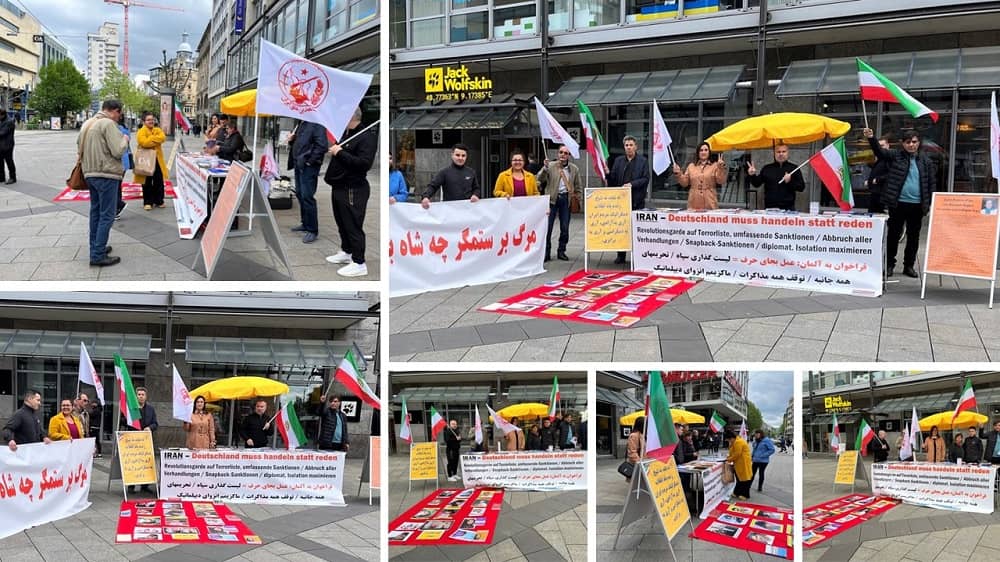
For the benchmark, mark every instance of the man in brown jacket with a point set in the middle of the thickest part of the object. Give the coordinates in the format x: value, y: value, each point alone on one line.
x: 562, y: 180
x: 101, y: 146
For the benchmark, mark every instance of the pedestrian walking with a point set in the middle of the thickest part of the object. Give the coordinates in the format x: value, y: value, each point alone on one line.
x: 763, y: 448
x: 151, y: 137
x: 7, y: 149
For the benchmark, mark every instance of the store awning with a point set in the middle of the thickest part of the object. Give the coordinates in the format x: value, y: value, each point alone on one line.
x: 541, y: 393
x: 455, y: 117
x: 686, y: 85
x: 368, y: 65
x: 443, y: 394
x: 925, y: 403
x: 66, y: 345
x: 945, y: 69
x: 624, y: 403
x: 268, y: 352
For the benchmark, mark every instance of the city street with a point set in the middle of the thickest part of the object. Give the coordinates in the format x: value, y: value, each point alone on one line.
x: 297, y: 533
x: 905, y: 532
x: 44, y: 240
x: 711, y: 322
x: 644, y: 540
x: 533, y: 526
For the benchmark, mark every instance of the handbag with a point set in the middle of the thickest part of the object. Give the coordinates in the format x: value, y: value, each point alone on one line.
x: 728, y: 474
x: 574, y: 198
x: 145, y: 162
x: 76, y: 181
x: 626, y: 469
x: 244, y: 155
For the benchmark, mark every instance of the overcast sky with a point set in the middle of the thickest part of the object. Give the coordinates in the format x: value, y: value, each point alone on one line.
x: 150, y: 30
x: 770, y: 391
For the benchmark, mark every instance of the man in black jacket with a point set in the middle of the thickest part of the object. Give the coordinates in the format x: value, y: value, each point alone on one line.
x: 992, y: 452
x: 253, y: 429
x: 456, y: 182
x: 347, y: 175
x: 632, y: 171
x: 566, y: 433
x: 879, y: 447
x: 548, y: 435
x: 452, y: 449
x: 780, y: 180
x: 24, y: 426
x: 7, y: 147
x: 909, y: 184
x: 308, y: 145
x: 972, y: 447
x: 876, y: 179
x: 332, y: 426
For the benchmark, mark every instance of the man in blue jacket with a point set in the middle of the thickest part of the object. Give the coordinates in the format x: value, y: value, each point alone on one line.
x: 309, y: 145
x: 632, y: 171
x: 760, y: 455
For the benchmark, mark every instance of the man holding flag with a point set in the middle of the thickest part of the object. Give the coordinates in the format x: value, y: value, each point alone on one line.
x: 347, y: 176
x: 562, y: 182
x: 910, y: 182
x: 332, y: 426
x: 137, y: 415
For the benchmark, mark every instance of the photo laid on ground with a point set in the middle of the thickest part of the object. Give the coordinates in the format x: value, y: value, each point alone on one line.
x: 185, y: 424
x: 908, y: 457
x: 488, y: 465
x: 695, y: 465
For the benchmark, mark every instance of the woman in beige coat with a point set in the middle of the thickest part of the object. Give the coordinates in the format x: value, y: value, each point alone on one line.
x: 201, y: 430
x: 702, y: 177
x: 934, y: 445
x: 636, y: 445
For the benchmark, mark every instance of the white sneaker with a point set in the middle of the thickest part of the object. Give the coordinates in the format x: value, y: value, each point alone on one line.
x: 353, y: 270
x: 339, y: 257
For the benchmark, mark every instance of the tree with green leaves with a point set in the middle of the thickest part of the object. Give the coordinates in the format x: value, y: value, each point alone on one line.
x: 61, y: 90
x: 117, y: 85
x: 755, y: 420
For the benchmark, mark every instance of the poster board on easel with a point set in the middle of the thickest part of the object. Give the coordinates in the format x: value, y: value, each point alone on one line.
x: 424, y: 463
x: 847, y: 470
x: 656, y: 489
x: 963, y: 232
x: 136, y: 460
x: 607, y: 217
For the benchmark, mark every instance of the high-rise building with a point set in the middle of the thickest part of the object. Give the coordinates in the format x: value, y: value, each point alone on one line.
x: 102, y: 52
x: 19, y: 55
x: 53, y: 49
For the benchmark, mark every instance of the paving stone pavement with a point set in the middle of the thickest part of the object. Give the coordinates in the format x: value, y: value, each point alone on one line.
x: 297, y: 533
x: 42, y: 240
x: 532, y: 527
x: 711, y: 322
x: 907, y: 533
x: 644, y: 540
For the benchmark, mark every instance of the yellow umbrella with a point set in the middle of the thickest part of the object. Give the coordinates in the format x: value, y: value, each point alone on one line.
x: 525, y: 410
x: 943, y: 420
x: 764, y: 131
x: 680, y: 416
x: 240, y: 104
x: 239, y: 388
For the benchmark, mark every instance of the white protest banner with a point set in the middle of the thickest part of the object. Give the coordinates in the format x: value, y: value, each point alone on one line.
x: 938, y: 485
x: 711, y: 477
x: 40, y: 483
x: 266, y: 476
x: 459, y: 243
x: 191, y: 197
x: 833, y: 254
x: 536, y: 471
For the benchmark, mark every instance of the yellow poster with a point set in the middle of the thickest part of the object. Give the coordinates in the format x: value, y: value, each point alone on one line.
x: 608, y: 219
x: 665, y: 487
x: 847, y: 465
x: 424, y: 461
x: 135, y: 457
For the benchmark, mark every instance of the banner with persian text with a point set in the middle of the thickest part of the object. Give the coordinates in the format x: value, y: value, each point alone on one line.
x: 714, y: 489
x: 253, y: 476
x: 536, y: 471
x: 833, y: 254
x: 40, y: 483
x: 967, y: 487
x: 458, y: 243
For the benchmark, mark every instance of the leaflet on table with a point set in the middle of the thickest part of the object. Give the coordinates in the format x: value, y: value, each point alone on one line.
x: 213, y: 164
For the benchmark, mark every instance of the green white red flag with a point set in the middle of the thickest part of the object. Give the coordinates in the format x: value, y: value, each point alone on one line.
x: 596, y: 147
x: 404, y: 425
x: 554, y: 398
x: 288, y: 425
x: 350, y: 376
x: 876, y: 87
x: 865, y: 435
x: 661, y: 438
x: 437, y: 423
x: 182, y: 121
x: 967, y: 401
x: 831, y: 165
x: 128, y: 402
x: 716, y: 424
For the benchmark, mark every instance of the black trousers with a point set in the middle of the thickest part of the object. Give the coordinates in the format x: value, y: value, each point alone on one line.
x: 7, y: 157
x: 331, y: 447
x: 152, y: 188
x: 761, y: 466
x: 452, y: 455
x: 349, y: 204
x: 875, y: 203
x: 910, y: 216
x: 743, y: 488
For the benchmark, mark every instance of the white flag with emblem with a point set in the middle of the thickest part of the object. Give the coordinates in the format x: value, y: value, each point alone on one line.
x: 661, y: 142
x: 552, y: 130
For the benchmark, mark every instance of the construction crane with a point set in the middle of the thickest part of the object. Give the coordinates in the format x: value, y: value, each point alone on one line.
x: 126, y: 4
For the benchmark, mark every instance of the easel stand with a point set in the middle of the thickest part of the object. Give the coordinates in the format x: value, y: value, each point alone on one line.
x: 640, y: 503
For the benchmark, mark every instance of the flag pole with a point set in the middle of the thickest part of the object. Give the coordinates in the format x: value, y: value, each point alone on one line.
x: 864, y: 110
x: 352, y: 137
x: 256, y: 122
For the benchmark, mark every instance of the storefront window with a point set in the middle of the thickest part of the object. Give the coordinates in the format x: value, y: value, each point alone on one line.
x: 678, y: 394
x: 514, y: 18
x: 397, y: 24
x: 559, y: 14
x: 469, y: 27
x: 592, y: 13
x: 428, y: 32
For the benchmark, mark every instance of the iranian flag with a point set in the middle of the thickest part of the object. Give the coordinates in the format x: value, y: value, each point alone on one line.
x: 479, y: 427
x: 437, y: 423
x: 967, y: 401
x: 349, y: 375
x: 596, y: 147
x: 876, y: 87
x: 181, y: 119
x: 554, y: 398
x: 716, y: 424
x: 830, y: 164
x: 128, y: 402
x: 289, y: 426
x: 404, y: 425
x: 865, y: 435
x: 88, y: 374
x: 835, y: 438
x: 661, y: 438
